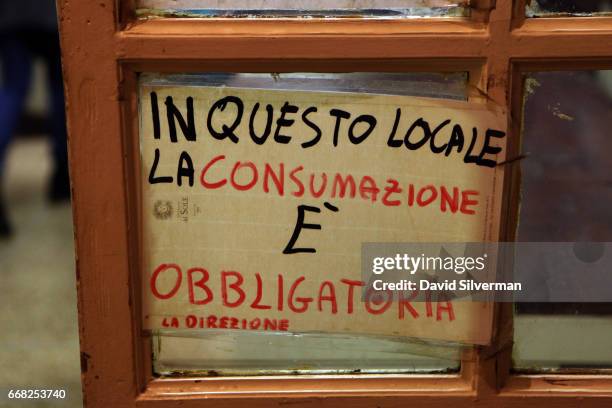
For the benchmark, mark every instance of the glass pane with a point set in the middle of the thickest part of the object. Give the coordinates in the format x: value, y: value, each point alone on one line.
x: 567, y: 197
x: 260, y: 353
x: 240, y: 352
x: 303, y: 8
x: 430, y: 85
x: 560, y: 8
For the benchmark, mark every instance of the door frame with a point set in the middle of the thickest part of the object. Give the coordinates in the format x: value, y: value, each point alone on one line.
x: 105, y: 47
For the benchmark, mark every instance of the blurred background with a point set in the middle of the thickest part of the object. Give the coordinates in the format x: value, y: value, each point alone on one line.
x: 38, y: 315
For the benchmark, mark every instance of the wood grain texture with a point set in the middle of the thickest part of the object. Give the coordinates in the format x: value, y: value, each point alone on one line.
x: 97, y: 173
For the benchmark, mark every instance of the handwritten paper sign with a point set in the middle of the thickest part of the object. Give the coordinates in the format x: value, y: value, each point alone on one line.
x: 256, y: 202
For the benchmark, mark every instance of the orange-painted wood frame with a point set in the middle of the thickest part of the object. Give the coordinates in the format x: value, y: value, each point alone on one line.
x: 104, y: 49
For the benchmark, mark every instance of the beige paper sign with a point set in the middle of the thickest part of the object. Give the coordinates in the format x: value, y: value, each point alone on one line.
x: 256, y: 202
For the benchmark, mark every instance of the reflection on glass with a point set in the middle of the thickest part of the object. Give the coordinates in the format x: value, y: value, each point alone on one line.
x: 214, y: 353
x: 560, y: 8
x: 566, y: 196
x: 452, y: 85
x: 304, y: 8
x: 262, y: 353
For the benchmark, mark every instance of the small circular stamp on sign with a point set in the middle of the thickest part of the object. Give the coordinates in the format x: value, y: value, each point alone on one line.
x: 589, y: 252
x: 162, y: 210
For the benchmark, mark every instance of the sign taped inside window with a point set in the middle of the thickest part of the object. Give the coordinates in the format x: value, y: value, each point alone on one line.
x: 256, y: 203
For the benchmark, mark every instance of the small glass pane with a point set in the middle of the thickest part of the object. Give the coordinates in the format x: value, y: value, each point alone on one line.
x: 566, y: 197
x: 561, y: 8
x: 179, y: 352
x: 303, y: 8
x: 260, y: 353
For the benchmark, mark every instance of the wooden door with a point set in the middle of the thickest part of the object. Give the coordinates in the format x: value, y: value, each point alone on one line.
x: 107, y: 46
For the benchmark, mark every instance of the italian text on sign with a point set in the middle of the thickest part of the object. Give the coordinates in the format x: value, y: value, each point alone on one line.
x: 256, y: 203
